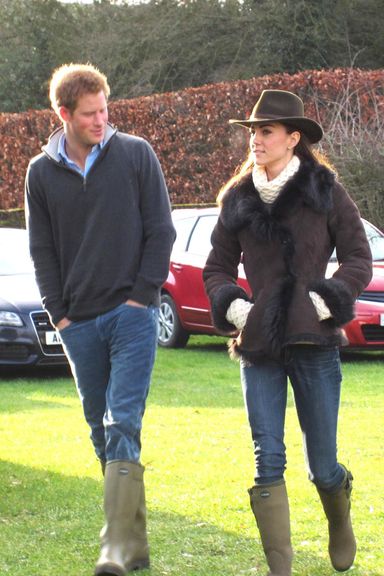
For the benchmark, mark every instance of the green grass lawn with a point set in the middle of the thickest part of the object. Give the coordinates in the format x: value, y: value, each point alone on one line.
x: 199, y: 464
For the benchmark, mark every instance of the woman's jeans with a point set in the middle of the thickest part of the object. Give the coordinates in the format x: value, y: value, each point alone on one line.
x: 112, y: 357
x: 315, y: 376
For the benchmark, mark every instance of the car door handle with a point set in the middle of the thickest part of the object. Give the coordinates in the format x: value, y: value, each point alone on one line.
x: 177, y: 266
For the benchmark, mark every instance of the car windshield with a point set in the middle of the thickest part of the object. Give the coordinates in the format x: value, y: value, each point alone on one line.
x: 376, y: 242
x: 14, y: 253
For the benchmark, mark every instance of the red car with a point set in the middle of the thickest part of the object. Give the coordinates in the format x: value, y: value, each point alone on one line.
x: 185, y: 308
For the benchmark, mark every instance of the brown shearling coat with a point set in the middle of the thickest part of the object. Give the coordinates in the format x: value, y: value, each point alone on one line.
x: 285, y: 247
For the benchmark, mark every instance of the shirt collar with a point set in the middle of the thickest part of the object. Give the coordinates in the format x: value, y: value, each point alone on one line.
x: 63, y: 153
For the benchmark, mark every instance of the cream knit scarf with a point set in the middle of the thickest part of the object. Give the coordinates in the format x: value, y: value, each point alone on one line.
x: 270, y: 189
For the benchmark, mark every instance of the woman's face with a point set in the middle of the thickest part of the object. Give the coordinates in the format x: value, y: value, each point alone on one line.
x: 272, y: 146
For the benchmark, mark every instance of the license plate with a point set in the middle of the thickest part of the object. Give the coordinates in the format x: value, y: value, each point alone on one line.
x: 52, y: 338
x: 381, y: 319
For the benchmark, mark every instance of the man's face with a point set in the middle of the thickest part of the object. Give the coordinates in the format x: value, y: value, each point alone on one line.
x: 86, y: 125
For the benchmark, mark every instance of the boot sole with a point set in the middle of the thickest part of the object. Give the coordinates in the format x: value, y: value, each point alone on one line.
x: 138, y: 565
x: 109, y: 570
x: 113, y: 570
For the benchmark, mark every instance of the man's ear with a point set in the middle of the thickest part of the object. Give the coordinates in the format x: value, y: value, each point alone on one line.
x: 65, y: 113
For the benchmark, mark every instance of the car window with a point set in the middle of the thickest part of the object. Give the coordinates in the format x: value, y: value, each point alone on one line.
x: 14, y: 253
x: 200, y: 241
x: 183, y: 231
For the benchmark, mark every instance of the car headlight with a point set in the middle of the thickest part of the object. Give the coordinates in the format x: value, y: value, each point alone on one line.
x: 10, y: 319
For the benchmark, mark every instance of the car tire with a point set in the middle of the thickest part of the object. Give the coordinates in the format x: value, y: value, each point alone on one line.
x: 171, y: 332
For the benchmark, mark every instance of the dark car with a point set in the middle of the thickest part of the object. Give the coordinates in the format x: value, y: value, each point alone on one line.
x: 185, y: 308
x: 26, y: 335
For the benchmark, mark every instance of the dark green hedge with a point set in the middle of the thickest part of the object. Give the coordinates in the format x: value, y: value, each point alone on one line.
x: 12, y: 218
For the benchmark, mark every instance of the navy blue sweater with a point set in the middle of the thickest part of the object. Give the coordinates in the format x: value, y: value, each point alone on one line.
x: 99, y: 240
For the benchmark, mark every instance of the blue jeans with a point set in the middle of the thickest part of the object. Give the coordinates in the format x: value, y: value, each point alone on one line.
x: 112, y: 357
x: 315, y: 376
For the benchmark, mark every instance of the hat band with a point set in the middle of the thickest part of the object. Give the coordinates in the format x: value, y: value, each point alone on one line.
x: 273, y: 117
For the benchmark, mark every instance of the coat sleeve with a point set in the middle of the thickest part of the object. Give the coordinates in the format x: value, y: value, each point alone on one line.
x: 220, y: 276
x: 42, y: 248
x: 354, y: 257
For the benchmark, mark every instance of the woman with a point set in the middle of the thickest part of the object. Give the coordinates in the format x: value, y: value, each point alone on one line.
x: 282, y: 215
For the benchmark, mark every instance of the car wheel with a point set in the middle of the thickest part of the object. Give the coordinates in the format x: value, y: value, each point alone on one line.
x: 171, y: 332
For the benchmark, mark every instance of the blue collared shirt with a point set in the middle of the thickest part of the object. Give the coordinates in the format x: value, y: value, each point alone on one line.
x: 90, y: 160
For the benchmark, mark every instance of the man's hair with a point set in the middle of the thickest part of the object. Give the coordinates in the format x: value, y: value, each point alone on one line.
x: 71, y: 81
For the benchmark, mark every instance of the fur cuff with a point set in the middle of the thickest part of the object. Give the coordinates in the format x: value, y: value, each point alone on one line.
x: 338, y: 298
x: 221, y: 302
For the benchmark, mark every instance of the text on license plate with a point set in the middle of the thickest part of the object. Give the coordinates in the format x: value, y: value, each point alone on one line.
x: 52, y: 338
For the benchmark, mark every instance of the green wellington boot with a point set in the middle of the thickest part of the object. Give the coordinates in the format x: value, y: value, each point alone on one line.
x: 271, y: 509
x: 337, y: 508
x: 124, y: 545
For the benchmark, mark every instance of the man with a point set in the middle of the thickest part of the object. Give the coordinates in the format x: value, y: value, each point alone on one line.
x: 100, y: 234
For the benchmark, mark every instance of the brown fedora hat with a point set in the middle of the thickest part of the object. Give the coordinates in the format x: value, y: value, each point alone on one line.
x: 285, y: 107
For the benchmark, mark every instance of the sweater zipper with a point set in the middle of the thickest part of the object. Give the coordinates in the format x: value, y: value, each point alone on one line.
x: 84, y: 178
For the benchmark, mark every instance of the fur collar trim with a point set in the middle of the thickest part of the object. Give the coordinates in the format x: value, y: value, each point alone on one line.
x: 312, y: 185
